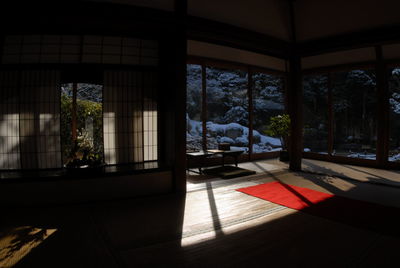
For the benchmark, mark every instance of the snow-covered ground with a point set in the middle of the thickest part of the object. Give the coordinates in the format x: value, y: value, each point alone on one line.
x: 370, y: 156
x: 233, y: 133
x: 363, y: 156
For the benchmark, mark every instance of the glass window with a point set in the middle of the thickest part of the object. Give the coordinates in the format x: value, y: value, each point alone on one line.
x: 315, y: 101
x: 268, y: 101
x: 89, y: 121
x: 194, y: 127
x: 394, y: 103
x: 66, y: 119
x: 354, y: 107
x: 227, y: 108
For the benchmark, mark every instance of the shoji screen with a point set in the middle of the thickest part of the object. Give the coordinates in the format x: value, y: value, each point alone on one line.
x: 130, y: 117
x: 22, y: 49
x: 40, y: 119
x: 150, y: 116
x: 9, y: 121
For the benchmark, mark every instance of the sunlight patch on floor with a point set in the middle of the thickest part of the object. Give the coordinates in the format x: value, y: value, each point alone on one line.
x: 237, y: 226
x: 322, y: 183
x: 17, y: 242
x: 201, y: 213
x: 214, y: 212
x: 262, y: 166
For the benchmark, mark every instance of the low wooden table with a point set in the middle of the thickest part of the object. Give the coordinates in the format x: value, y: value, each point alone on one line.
x: 232, y: 153
x: 202, y: 155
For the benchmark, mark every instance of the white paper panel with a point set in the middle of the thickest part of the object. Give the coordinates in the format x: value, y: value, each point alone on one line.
x: 130, y: 114
x: 74, y: 49
x: 9, y: 121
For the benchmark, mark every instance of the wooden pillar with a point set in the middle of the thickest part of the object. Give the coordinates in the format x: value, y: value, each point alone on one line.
x: 204, y: 105
x: 250, y: 109
x: 296, y: 113
x: 295, y: 98
x: 382, y: 146
x: 2, y: 44
x: 330, y: 116
x: 172, y: 98
x: 178, y: 58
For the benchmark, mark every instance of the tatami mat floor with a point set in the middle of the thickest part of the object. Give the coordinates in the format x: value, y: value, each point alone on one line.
x: 211, y: 226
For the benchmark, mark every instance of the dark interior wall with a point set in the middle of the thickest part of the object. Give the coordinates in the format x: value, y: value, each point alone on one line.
x: 319, y: 19
x: 270, y: 17
x: 351, y: 56
x: 69, y: 191
x: 212, y: 51
x: 391, y: 51
x: 63, y: 17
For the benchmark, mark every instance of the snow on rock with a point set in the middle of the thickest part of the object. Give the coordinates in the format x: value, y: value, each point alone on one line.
x: 242, y: 141
x: 264, y: 148
x: 396, y: 71
x: 226, y: 140
x: 231, y: 130
x: 394, y: 158
x: 194, y: 127
x: 274, y: 142
x: 237, y: 148
x: 256, y: 137
x: 232, y: 133
x: 363, y: 156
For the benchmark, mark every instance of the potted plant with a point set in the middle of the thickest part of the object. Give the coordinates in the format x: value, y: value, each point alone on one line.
x: 280, y: 127
x: 83, y: 157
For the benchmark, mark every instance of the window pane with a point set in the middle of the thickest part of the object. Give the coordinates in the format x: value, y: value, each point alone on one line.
x: 89, y: 119
x: 268, y: 101
x: 194, y: 126
x: 394, y: 102
x: 66, y: 119
x: 90, y: 116
x: 227, y: 108
x: 10, y: 118
x: 315, y: 96
x: 354, y: 106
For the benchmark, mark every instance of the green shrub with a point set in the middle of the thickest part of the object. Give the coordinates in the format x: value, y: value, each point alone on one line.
x: 279, y: 126
x: 85, y: 109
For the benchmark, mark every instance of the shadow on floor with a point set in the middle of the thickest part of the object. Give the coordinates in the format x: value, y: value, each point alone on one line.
x: 311, y: 167
x: 148, y: 232
x: 87, y: 235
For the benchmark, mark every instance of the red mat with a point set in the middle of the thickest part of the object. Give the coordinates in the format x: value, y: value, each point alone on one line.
x: 357, y: 213
x: 286, y: 195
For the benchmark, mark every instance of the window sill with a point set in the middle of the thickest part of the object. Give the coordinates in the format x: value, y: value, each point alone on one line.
x: 17, y: 176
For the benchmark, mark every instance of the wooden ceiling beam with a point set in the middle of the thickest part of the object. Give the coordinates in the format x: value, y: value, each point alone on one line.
x: 209, y: 31
x: 372, y: 37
